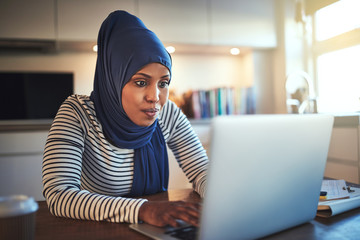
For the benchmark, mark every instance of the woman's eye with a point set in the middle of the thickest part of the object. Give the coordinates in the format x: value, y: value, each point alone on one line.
x: 164, y: 84
x: 141, y: 83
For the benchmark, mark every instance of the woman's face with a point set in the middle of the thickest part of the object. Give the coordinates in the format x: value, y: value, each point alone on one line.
x: 145, y: 94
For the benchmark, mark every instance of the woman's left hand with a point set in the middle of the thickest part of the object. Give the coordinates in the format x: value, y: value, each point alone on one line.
x: 159, y: 213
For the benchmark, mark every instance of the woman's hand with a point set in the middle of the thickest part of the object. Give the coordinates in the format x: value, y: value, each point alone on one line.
x: 160, y: 214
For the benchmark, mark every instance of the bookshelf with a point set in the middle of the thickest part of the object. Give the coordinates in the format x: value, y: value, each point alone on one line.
x: 202, y: 104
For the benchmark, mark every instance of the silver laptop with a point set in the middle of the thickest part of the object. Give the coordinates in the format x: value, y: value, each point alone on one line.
x: 265, y: 175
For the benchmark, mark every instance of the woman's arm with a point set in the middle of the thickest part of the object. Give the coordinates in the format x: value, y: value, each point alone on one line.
x: 192, y: 158
x: 62, y: 169
x: 186, y: 146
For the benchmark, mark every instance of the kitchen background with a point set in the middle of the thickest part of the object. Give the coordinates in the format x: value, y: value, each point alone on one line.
x: 59, y: 35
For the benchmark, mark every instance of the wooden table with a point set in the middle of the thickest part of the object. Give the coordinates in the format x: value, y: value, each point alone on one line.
x: 49, y: 227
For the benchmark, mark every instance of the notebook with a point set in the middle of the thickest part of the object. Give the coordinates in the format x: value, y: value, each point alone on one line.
x: 265, y: 175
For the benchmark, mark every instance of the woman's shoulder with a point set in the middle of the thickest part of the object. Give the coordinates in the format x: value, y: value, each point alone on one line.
x: 82, y: 108
x: 81, y: 105
x: 79, y: 102
x: 78, y: 98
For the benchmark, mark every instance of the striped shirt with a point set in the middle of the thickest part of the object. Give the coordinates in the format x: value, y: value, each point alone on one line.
x: 86, y: 177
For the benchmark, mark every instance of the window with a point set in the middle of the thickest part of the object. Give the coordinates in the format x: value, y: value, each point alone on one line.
x: 336, y: 50
x: 339, y: 80
x: 337, y: 18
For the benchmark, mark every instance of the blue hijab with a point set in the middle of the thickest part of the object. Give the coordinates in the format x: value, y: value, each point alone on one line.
x: 125, y: 46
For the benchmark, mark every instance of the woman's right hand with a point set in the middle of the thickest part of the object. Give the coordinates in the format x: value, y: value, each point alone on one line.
x: 162, y: 213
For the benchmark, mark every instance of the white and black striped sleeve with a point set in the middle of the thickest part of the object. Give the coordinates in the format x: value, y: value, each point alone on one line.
x: 186, y: 146
x: 62, y: 174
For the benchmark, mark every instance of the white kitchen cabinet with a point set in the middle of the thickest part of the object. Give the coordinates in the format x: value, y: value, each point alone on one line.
x: 344, y: 152
x: 27, y: 19
x: 80, y: 20
x: 243, y: 23
x: 176, y: 21
x: 21, y: 174
x: 21, y: 163
x: 204, y: 22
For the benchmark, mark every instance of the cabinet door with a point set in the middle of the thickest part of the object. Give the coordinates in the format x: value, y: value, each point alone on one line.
x: 80, y: 20
x: 243, y: 23
x: 21, y: 163
x: 21, y: 174
x: 27, y: 19
x: 175, y: 21
x: 343, y: 157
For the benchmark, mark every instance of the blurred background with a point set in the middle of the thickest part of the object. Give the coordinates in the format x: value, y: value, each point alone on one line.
x: 229, y: 57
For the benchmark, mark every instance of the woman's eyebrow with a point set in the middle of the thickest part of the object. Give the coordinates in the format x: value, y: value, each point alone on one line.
x: 143, y: 74
x: 148, y: 76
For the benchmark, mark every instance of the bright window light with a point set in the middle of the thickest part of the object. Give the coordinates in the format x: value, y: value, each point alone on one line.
x: 337, y: 18
x: 339, y: 81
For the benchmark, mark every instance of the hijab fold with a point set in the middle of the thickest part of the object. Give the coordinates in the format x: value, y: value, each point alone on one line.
x: 125, y: 46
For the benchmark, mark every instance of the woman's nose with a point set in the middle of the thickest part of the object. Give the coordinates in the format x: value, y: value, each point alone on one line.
x: 152, y: 94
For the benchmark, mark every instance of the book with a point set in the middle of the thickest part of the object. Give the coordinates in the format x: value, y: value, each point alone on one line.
x: 213, y: 103
x: 196, y: 104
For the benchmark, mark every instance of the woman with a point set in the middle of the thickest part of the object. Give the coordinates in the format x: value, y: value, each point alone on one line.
x: 105, y: 150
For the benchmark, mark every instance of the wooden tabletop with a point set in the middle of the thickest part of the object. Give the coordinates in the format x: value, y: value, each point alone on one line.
x: 49, y: 227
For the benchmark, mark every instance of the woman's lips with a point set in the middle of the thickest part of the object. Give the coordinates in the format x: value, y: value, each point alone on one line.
x: 151, y: 112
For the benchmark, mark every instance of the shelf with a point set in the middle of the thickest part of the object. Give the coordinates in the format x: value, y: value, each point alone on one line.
x: 205, y: 121
x: 25, y: 125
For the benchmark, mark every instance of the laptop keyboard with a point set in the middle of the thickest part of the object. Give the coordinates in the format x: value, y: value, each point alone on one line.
x: 184, y: 233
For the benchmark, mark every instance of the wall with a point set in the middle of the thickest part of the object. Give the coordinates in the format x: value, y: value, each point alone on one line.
x: 190, y: 71
x: 206, y: 71
x: 260, y: 74
x: 288, y: 57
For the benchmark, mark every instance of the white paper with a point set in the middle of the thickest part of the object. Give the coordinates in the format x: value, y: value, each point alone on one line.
x: 335, y: 189
x: 335, y: 207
